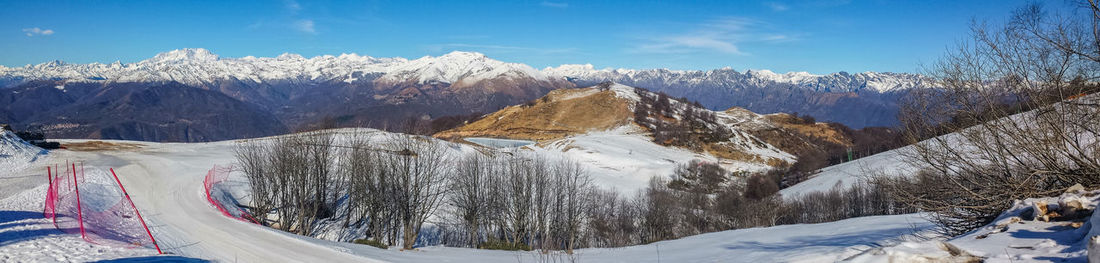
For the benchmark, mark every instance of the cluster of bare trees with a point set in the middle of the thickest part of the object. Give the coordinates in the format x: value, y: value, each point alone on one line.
x: 298, y: 180
x: 524, y: 202
x: 678, y: 122
x: 390, y: 189
x: 861, y: 199
x: 702, y: 197
x: 293, y: 178
x: 395, y: 190
x: 1016, y: 97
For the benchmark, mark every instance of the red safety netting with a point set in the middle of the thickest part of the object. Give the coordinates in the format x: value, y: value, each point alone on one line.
x: 95, y: 205
x: 218, y: 194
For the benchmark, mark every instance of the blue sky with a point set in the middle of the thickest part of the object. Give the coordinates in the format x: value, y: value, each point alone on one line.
x: 819, y: 36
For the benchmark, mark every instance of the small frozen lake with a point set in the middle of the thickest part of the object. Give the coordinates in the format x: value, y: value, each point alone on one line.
x: 499, y: 143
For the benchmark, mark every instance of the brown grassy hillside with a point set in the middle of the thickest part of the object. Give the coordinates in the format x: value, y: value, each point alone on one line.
x: 559, y: 114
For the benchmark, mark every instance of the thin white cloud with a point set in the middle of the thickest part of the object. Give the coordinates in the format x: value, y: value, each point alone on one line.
x: 292, y: 5
x: 500, y: 48
x: 30, y: 32
x: 778, y: 38
x: 554, y: 4
x: 778, y: 7
x: 684, y: 44
x: 305, y: 26
x: 719, y: 36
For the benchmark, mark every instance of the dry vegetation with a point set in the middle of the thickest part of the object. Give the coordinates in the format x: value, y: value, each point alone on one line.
x: 101, y: 146
x: 1014, y: 99
x: 810, y: 128
x: 557, y: 115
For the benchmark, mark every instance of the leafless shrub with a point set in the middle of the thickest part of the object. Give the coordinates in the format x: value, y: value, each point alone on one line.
x: 1014, y: 99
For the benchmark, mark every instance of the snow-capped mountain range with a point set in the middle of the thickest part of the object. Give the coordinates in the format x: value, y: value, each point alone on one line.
x: 194, y: 95
x: 835, y: 82
x: 201, y: 67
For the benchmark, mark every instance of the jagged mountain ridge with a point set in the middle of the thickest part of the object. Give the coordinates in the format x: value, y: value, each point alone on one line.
x: 200, y: 66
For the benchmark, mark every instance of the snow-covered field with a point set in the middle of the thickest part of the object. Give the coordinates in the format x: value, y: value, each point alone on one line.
x: 621, y: 159
x: 498, y: 143
x: 165, y: 181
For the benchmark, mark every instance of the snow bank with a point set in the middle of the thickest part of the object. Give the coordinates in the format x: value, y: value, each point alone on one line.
x: 16, y: 154
x: 1015, y: 236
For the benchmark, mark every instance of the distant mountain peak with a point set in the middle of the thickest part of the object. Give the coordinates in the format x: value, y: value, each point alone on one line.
x: 464, y: 55
x: 186, y: 54
x: 290, y: 56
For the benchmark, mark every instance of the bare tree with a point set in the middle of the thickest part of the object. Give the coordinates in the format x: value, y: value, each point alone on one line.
x: 469, y: 191
x: 419, y: 172
x: 1014, y: 99
x: 254, y: 162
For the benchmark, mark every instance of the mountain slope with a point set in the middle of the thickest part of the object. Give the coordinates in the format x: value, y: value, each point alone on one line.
x: 167, y: 112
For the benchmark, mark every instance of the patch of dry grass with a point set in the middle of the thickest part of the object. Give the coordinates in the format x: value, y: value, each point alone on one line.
x: 101, y: 146
x: 557, y: 115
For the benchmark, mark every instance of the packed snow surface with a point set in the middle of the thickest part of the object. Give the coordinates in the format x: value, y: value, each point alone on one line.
x: 499, y: 143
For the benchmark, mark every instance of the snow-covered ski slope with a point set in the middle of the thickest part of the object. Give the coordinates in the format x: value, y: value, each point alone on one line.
x: 165, y: 181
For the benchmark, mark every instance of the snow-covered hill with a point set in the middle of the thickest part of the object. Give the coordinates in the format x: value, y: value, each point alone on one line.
x: 600, y: 127
x: 15, y: 154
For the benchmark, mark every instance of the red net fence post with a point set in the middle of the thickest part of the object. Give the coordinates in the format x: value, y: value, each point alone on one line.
x: 47, y: 211
x: 131, y: 201
x: 221, y: 198
x: 96, y: 205
x: 79, y: 211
